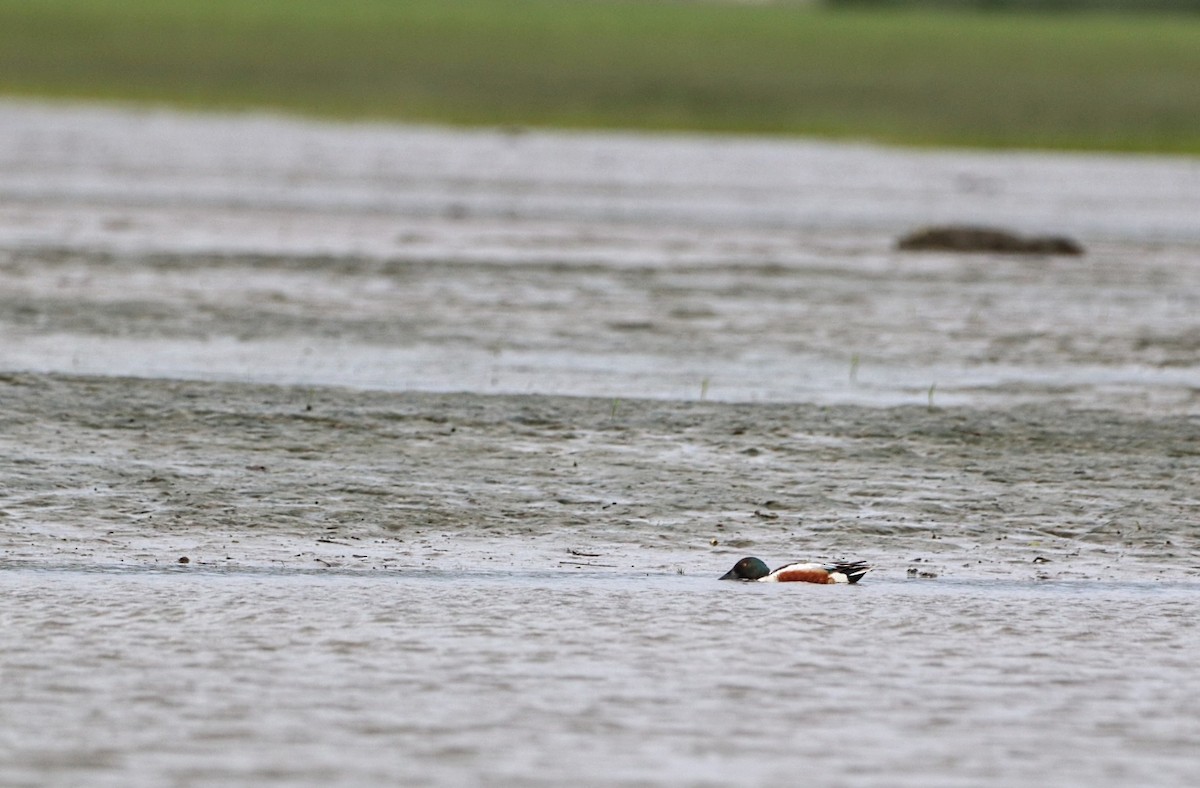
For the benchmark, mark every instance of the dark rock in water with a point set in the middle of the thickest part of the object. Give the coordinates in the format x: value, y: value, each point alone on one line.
x: 966, y: 238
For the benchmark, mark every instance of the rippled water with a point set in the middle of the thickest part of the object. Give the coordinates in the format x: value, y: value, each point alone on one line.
x: 190, y: 677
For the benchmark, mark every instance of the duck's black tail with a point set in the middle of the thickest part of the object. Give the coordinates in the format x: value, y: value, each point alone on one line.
x: 853, y: 570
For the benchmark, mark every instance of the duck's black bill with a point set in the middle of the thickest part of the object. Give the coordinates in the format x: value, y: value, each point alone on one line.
x: 730, y: 575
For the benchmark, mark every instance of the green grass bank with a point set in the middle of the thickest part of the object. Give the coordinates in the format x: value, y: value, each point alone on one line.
x: 1092, y: 81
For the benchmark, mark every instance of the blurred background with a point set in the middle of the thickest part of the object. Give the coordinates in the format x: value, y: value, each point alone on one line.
x: 1057, y: 74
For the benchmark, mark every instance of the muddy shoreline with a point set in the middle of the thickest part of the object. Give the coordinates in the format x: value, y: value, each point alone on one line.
x: 119, y: 471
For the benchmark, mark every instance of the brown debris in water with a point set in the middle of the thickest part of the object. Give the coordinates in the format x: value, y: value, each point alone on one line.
x: 969, y: 238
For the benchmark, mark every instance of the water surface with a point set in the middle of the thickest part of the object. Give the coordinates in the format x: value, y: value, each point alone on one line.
x: 201, y: 677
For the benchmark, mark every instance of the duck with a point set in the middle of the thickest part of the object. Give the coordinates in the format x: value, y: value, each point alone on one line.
x: 755, y: 570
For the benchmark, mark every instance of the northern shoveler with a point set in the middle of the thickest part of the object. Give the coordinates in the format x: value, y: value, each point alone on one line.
x: 754, y: 569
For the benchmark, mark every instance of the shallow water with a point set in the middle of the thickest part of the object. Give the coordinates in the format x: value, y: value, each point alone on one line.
x: 483, y: 584
x: 195, y: 677
x: 670, y: 266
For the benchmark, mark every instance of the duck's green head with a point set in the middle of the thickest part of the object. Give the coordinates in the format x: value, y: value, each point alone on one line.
x: 747, y: 569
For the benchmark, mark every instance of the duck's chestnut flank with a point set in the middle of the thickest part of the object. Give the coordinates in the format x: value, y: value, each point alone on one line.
x: 786, y: 575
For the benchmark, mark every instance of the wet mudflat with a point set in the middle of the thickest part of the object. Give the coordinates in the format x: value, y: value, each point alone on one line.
x: 455, y: 429
x: 142, y: 472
